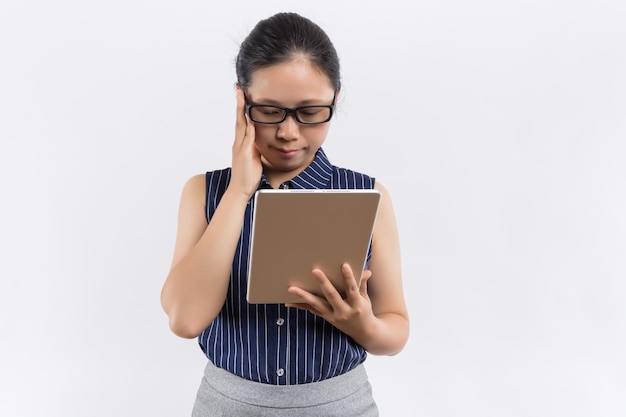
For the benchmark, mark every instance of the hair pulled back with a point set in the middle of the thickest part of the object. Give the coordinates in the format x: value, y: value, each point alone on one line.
x: 282, y: 38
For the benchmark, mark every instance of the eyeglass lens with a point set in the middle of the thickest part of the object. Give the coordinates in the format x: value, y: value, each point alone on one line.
x: 309, y: 114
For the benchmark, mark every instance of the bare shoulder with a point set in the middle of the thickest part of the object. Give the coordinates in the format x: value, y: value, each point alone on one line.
x: 193, y: 198
x: 386, y: 207
x: 193, y: 194
x: 386, y: 228
x: 196, y: 184
x: 380, y: 187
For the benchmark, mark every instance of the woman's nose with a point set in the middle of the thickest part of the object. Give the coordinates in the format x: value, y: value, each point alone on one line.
x: 289, y: 129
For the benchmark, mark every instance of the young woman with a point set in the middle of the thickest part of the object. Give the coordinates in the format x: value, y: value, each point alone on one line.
x: 274, y: 359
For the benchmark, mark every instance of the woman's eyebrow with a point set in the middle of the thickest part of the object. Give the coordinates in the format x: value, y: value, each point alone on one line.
x: 307, y: 102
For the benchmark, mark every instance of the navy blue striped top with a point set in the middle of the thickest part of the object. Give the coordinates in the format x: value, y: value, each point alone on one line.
x: 270, y: 343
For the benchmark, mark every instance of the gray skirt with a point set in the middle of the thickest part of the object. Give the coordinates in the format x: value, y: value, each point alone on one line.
x: 224, y: 394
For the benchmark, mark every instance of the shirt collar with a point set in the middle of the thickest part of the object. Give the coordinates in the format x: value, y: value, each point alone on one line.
x: 316, y: 176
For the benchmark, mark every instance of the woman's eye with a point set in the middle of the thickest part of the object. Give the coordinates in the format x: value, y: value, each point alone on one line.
x: 309, y: 112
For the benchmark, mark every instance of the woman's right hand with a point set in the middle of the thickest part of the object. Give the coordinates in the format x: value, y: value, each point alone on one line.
x: 246, y: 165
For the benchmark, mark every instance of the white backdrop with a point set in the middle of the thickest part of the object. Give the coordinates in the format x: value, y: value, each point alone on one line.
x: 498, y: 127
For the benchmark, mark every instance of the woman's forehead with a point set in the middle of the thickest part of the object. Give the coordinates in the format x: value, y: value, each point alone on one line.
x: 294, y: 81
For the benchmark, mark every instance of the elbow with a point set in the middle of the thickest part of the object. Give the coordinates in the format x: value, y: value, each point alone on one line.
x: 183, y: 328
x: 403, y: 338
x: 398, y: 348
x: 185, y: 319
x: 389, y: 349
x: 186, y: 332
x: 180, y: 323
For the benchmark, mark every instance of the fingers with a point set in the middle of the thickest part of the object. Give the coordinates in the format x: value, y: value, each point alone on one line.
x: 353, y: 291
x: 367, y: 274
x: 244, y: 127
x: 350, y: 313
x: 328, y: 289
x: 332, y: 300
x: 310, y: 302
x: 324, y: 305
x: 241, y: 121
x: 246, y: 159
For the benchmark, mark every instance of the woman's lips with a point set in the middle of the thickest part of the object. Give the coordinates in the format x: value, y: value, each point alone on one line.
x: 288, y: 153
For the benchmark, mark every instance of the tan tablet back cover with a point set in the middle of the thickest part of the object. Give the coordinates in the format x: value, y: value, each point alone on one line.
x: 295, y: 231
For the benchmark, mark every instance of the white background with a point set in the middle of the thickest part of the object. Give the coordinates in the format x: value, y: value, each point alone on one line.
x: 498, y: 126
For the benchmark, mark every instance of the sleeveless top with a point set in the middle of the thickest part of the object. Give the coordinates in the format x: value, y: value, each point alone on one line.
x: 270, y: 343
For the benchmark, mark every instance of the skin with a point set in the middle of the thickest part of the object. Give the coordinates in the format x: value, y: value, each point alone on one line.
x: 374, y: 314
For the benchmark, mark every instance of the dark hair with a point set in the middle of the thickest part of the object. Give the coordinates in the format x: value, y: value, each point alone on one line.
x: 281, y: 38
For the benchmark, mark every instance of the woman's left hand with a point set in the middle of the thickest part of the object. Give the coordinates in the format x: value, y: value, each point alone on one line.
x: 350, y: 313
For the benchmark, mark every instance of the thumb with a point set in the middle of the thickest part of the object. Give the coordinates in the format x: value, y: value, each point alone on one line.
x: 365, y: 276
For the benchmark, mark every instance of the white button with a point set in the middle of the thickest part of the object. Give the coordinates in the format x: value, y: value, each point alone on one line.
x: 280, y: 321
x: 280, y: 372
x: 284, y: 186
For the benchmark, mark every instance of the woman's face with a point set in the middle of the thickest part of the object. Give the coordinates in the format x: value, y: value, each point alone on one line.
x: 289, y: 147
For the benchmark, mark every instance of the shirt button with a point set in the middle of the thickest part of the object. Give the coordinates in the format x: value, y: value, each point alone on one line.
x: 284, y: 186
x: 280, y: 321
x: 280, y: 372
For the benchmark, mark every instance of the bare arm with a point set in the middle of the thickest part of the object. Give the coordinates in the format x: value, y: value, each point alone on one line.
x: 389, y: 332
x: 195, y: 289
x: 374, y: 314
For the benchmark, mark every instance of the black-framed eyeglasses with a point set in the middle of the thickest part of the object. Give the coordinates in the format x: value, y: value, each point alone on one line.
x: 307, y: 115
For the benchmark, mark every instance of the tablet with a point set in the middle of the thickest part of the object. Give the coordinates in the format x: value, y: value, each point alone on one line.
x: 295, y: 231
